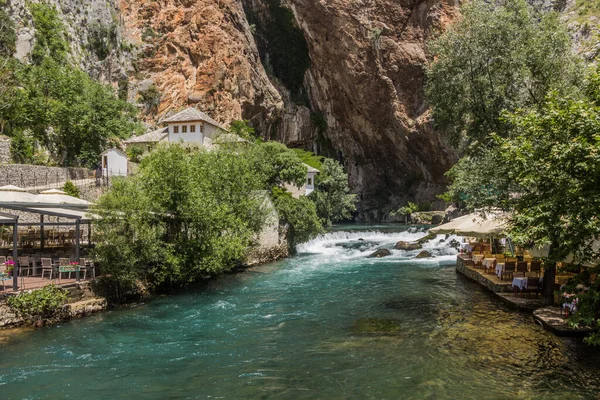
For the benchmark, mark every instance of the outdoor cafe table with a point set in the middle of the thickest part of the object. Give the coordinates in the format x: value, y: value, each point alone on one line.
x: 488, y: 263
x: 466, y: 247
x: 519, y: 282
x: 477, y: 257
x: 499, y: 270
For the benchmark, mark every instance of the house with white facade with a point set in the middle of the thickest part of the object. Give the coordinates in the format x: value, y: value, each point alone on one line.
x: 114, y: 163
x: 192, y: 126
x: 188, y: 126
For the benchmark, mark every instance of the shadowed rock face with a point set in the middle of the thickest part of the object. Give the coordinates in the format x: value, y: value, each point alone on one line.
x: 367, y: 78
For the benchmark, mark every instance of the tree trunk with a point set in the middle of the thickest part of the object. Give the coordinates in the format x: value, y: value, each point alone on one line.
x: 549, y: 276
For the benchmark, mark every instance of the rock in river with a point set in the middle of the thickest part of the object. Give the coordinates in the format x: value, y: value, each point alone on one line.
x: 424, y: 254
x: 381, y: 253
x: 407, y: 246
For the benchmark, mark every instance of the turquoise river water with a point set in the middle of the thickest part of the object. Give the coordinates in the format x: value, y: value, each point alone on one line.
x: 328, y: 323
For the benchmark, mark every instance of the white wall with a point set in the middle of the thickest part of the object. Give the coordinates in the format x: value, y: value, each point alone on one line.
x: 114, y: 163
x: 310, y: 182
x: 204, y: 130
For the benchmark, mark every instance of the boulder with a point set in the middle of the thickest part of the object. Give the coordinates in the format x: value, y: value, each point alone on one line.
x: 437, y: 219
x: 381, y: 253
x: 407, y: 246
x: 424, y: 254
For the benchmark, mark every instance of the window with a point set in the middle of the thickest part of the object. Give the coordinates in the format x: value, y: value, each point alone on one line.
x: 183, y: 128
x: 192, y: 128
x: 202, y: 126
x: 309, y: 181
x: 175, y: 129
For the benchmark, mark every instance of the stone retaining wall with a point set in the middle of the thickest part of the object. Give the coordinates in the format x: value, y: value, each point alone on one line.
x: 34, y: 176
x: 477, y: 277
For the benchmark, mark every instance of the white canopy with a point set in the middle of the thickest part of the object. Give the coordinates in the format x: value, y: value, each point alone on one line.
x: 59, y: 197
x: 13, y: 196
x: 474, y: 225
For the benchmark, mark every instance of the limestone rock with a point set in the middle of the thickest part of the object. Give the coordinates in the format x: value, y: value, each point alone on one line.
x: 381, y: 253
x: 407, y: 246
x: 424, y: 254
x: 201, y: 52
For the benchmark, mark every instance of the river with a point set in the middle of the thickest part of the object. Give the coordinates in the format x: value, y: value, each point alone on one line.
x: 328, y: 323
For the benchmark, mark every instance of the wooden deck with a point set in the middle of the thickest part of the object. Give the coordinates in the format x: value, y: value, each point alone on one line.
x: 36, y: 282
x: 502, y: 288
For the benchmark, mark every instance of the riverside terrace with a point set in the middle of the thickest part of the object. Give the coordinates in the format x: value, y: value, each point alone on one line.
x: 41, y: 238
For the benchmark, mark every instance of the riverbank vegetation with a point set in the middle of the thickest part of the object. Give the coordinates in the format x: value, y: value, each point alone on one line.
x: 190, y: 213
x: 524, y: 116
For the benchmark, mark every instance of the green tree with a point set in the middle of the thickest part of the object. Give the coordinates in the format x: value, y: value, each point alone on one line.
x: 276, y: 164
x: 549, y: 168
x: 332, y: 196
x: 300, y: 214
x: 185, y: 215
x: 497, y: 57
x: 242, y: 128
x: 50, y: 38
x: 22, y: 149
x: 8, y: 36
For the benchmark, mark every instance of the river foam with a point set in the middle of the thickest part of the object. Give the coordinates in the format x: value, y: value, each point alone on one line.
x: 347, y: 245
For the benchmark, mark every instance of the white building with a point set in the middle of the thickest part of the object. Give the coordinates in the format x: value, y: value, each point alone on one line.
x: 192, y: 126
x: 310, y: 179
x: 114, y: 163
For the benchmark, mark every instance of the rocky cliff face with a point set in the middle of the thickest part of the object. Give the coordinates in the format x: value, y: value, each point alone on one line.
x: 202, y: 53
x: 366, y: 78
x: 93, y: 30
x: 344, y: 79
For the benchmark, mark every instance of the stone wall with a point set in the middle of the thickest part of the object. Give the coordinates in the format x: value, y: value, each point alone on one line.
x: 40, y: 176
x: 4, y: 150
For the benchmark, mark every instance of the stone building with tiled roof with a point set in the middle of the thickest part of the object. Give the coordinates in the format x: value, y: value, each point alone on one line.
x: 188, y: 126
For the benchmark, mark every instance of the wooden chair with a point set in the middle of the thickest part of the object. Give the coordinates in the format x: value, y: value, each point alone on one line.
x: 536, y: 266
x: 47, y: 267
x: 522, y: 267
x: 533, y: 284
x: 509, y: 269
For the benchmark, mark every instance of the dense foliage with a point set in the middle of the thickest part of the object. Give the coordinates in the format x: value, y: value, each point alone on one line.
x: 540, y: 162
x: 53, y: 108
x: 189, y: 213
x: 243, y: 129
x: 39, y: 304
x: 331, y: 195
x: 8, y: 37
x: 499, y: 56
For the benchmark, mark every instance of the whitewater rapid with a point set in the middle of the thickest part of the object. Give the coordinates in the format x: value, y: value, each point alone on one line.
x: 348, y: 245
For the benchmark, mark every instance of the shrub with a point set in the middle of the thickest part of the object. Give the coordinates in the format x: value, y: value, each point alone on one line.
x: 22, y: 149
x: 135, y: 154
x: 8, y: 37
x: 150, y: 98
x: 39, y: 304
x: 71, y: 189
